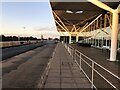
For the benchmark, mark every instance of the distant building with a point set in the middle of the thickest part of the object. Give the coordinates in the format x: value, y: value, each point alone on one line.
x: 42, y: 37
x: 49, y: 38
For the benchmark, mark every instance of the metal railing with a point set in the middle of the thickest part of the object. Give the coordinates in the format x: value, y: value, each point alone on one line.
x: 82, y: 60
x: 70, y: 50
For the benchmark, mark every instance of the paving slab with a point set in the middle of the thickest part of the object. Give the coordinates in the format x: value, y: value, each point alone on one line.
x: 52, y: 85
x: 64, y: 73
x: 53, y: 80
x: 67, y: 80
x: 54, y: 74
x: 68, y: 85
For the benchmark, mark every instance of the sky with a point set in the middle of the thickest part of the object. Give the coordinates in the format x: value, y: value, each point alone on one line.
x: 28, y: 19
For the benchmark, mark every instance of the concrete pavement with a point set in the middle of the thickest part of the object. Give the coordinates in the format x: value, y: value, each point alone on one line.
x: 63, y: 72
x: 12, y: 51
x: 24, y: 70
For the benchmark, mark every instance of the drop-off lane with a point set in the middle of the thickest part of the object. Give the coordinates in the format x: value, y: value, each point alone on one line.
x: 28, y: 72
x: 12, y: 51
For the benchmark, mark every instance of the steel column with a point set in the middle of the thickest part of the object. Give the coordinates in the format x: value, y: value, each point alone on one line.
x: 69, y: 39
x: 77, y: 38
x: 114, y: 36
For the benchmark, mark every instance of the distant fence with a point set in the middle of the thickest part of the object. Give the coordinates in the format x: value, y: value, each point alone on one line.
x: 98, y: 76
x: 16, y: 43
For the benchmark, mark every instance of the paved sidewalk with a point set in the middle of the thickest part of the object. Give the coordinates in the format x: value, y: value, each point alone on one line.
x: 64, y: 73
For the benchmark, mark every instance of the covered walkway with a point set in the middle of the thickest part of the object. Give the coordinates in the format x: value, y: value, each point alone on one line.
x: 63, y: 72
x: 92, y: 21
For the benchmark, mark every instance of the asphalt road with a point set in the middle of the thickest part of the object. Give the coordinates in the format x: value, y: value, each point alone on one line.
x: 12, y: 51
x: 24, y: 70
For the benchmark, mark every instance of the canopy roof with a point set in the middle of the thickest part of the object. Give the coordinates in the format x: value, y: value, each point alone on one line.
x: 78, y: 13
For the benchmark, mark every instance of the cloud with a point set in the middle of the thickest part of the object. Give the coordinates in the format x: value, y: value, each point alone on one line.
x: 48, y: 31
x: 45, y: 28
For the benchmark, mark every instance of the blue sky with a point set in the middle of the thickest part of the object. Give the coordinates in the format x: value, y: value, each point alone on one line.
x: 36, y: 17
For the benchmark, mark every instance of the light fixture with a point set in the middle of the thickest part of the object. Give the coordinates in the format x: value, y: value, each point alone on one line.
x: 77, y: 12
x: 68, y: 11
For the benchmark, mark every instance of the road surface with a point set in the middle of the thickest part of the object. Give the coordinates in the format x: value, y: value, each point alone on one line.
x: 24, y: 70
x: 12, y: 51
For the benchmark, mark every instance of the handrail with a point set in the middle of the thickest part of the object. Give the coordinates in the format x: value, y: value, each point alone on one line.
x: 101, y: 66
x: 92, y: 67
x: 108, y: 71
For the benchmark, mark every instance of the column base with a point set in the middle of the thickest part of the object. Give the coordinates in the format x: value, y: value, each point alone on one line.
x: 113, y: 60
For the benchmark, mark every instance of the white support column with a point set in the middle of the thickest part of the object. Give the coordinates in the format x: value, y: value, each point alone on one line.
x: 69, y: 39
x: 114, y: 36
x: 102, y: 41
x: 87, y: 40
x: 77, y: 38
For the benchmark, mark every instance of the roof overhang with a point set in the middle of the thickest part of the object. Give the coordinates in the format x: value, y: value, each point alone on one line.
x: 78, y: 13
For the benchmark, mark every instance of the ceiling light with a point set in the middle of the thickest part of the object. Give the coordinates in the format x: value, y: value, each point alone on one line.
x: 79, y: 12
x: 68, y: 11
